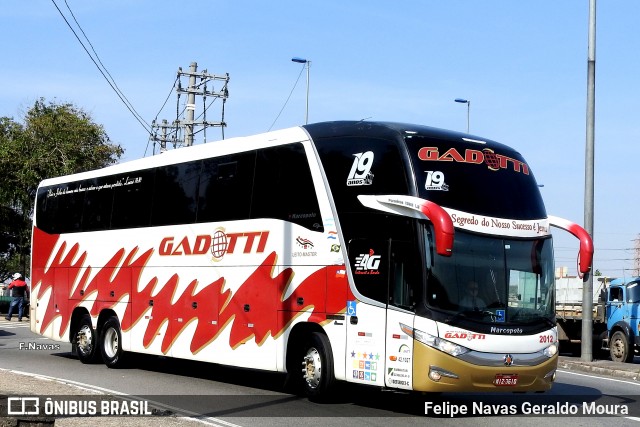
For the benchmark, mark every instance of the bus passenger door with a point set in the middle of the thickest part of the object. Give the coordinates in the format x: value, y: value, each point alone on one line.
x: 366, y: 312
x: 404, y: 278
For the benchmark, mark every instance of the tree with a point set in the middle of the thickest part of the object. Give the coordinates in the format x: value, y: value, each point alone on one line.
x: 55, y: 139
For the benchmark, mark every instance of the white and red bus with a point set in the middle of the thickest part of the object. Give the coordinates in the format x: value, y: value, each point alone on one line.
x: 337, y: 251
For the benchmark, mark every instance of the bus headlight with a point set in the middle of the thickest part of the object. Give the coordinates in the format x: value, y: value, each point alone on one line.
x: 551, y: 350
x: 445, y: 346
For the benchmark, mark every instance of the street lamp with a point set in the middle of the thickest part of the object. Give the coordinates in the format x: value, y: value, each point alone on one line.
x: 465, y: 101
x: 307, y: 64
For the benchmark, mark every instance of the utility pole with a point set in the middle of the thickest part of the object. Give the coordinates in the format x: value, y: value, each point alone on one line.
x: 191, y: 104
x: 163, y: 138
x: 636, y: 257
x: 587, y: 288
x: 199, y: 84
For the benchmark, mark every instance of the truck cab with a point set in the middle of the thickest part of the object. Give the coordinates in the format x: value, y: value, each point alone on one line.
x: 622, y: 313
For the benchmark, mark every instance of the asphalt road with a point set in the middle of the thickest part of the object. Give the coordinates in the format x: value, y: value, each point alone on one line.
x: 230, y: 397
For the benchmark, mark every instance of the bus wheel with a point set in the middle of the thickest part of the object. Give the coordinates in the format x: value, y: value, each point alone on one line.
x: 112, y: 352
x: 317, y: 366
x: 86, y: 341
x: 619, y: 348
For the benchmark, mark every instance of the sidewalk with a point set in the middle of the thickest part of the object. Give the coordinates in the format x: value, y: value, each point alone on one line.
x: 628, y: 371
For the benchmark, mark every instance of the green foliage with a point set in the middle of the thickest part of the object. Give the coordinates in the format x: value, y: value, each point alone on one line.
x: 55, y: 139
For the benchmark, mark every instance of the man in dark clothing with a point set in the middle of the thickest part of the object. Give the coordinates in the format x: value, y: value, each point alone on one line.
x: 20, y: 291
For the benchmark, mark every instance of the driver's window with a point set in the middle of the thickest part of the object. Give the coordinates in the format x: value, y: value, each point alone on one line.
x: 405, y: 276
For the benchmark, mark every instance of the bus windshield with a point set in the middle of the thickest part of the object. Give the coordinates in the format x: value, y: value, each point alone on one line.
x: 494, y: 280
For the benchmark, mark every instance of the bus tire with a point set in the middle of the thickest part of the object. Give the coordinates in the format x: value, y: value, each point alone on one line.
x: 111, y: 348
x: 619, y: 348
x: 86, y: 341
x: 317, y: 375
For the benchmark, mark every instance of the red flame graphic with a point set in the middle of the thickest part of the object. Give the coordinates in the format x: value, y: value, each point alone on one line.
x: 256, y: 310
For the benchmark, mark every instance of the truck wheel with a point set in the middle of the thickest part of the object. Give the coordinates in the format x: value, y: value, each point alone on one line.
x: 619, y: 348
x: 86, y: 341
x: 112, y: 353
x: 317, y: 366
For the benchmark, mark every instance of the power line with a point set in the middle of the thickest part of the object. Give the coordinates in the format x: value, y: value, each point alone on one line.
x: 101, y: 64
x: 103, y: 70
x: 288, y: 97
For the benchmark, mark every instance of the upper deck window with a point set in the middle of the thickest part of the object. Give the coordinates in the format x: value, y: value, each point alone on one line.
x: 272, y: 182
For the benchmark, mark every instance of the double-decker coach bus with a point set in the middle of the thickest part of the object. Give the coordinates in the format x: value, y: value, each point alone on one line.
x: 337, y: 251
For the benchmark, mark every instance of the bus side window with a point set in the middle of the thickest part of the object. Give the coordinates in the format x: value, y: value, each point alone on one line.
x: 98, y: 204
x: 225, y: 187
x: 61, y: 211
x: 132, y: 199
x: 175, y: 194
x: 284, y: 187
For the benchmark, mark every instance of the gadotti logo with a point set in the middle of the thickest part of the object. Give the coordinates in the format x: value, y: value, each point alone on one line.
x: 465, y: 335
x: 219, y: 244
x: 487, y: 156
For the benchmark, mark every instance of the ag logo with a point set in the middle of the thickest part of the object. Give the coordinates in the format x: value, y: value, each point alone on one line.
x: 360, y: 173
x: 368, y: 263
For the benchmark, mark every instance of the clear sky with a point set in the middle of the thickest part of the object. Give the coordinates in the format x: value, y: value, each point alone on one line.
x: 522, y: 64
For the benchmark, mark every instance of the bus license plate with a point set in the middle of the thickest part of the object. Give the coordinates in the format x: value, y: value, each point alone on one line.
x: 506, y: 379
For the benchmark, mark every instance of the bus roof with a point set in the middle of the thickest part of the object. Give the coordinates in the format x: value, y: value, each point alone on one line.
x: 195, y: 152
x: 366, y: 128
x: 295, y: 134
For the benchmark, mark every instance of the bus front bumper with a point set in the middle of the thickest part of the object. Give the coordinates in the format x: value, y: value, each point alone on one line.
x: 435, y: 371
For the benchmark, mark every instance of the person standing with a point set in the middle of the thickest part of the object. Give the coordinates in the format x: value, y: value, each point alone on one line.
x: 20, y: 292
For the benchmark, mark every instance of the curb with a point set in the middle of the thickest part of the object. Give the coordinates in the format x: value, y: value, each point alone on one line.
x: 629, y: 374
